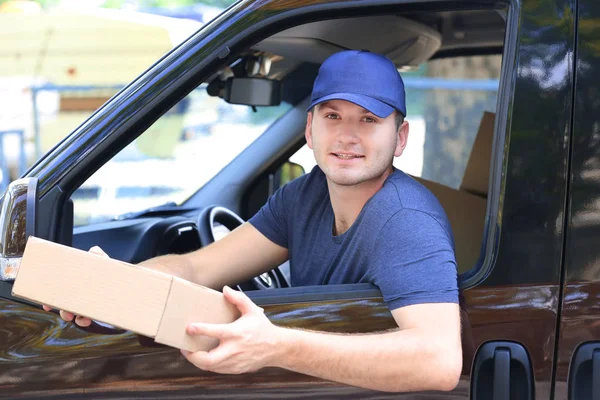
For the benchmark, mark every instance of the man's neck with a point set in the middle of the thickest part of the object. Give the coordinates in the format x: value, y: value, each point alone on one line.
x: 348, y: 201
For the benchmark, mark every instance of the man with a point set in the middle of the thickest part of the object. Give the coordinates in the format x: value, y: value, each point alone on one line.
x: 354, y: 218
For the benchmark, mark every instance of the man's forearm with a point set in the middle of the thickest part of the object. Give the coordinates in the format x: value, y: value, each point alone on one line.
x: 172, y: 264
x: 237, y: 257
x: 185, y: 267
x: 394, y: 361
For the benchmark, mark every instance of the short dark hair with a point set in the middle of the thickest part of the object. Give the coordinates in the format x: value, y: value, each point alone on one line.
x: 399, y: 117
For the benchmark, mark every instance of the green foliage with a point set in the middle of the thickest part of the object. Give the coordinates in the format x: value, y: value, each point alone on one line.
x: 113, y: 3
x: 43, y: 3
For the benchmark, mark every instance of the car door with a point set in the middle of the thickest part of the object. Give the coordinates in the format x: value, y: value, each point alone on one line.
x: 509, y: 299
x: 578, y: 370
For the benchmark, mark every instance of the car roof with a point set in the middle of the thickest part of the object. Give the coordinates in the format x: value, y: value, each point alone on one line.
x: 408, y: 39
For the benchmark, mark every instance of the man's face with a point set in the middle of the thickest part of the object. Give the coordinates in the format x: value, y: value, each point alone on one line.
x: 352, y: 145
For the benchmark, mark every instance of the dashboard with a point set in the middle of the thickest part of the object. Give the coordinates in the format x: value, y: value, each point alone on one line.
x: 138, y: 239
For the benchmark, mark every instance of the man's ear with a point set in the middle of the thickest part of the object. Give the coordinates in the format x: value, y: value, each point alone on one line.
x: 402, y: 139
x: 308, y: 130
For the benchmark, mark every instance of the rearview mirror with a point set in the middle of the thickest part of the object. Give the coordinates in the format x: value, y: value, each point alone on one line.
x: 253, y: 91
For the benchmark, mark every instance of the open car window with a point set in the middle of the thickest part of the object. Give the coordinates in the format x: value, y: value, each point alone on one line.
x: 175, y: 157
x: 448, y: 100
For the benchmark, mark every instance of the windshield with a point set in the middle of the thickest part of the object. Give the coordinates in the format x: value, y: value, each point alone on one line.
x: 174, y: 158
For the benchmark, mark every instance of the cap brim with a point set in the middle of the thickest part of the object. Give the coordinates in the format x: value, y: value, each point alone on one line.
x: 379, y: 108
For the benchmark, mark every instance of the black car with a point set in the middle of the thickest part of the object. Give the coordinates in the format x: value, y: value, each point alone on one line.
x: 504, y: 112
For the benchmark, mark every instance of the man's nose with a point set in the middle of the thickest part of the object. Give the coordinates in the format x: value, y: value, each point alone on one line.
x: 347, y: 132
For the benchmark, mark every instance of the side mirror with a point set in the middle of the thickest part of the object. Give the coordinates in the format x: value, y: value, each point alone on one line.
x: 17, y: 223
x: 286, y: 173
x: 290, y: 171
x: 267, y: 184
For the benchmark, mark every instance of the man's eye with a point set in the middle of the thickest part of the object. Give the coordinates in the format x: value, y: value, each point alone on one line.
x: 331, y: 116
x: 369, y: 119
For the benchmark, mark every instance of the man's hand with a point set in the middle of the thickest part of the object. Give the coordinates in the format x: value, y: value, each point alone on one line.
x: 247, y: 345
x: 67, y: 316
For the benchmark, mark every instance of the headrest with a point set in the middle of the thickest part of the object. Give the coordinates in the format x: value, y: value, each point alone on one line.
x: 476, y: 177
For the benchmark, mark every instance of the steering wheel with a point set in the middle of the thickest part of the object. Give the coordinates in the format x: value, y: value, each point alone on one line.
x: 216, y: 221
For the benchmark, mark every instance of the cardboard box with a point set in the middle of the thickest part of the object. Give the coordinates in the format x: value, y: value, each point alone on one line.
x: 131, y: 297
x: 477, y: 173
x: 466, y: 214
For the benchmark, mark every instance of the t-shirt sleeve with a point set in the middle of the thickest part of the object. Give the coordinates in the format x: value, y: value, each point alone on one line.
x: 273, y: 218
x: 414, y: 261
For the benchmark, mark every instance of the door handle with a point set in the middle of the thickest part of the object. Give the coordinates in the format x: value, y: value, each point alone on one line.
x: 502, y: 371
x: 501, y: 383
x: 584, y: 372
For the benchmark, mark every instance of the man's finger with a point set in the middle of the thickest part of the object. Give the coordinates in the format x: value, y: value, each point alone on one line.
x: 208, y: 360
x: 240, y: 300
x: 67, y: 316
x: 46, y: 308
x: 219, y: 331
x: 195, y: 358
x: 97, y: 250
x: 83, y: 321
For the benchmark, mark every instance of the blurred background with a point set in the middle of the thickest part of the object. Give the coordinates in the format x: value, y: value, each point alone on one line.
x: 62, y: 59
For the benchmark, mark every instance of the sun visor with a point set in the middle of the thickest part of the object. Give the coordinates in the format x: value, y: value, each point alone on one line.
x: 405, y: 42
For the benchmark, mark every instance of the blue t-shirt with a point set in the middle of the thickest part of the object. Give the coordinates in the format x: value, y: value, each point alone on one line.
x: 401, y: 241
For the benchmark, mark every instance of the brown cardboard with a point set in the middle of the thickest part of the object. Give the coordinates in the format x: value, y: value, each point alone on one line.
x: 476, y: 176
x: 466, y: 214
x: 188, y: 303
x: 128, y: 296
x: 87, y: 284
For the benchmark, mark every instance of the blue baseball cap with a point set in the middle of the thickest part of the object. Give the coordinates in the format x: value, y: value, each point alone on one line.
x: 367, y: 79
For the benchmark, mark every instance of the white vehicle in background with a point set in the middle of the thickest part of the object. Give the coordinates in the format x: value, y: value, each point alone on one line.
x: 113, y: 189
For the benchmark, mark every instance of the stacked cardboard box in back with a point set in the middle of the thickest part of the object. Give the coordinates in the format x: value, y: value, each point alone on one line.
x: 131, y: 297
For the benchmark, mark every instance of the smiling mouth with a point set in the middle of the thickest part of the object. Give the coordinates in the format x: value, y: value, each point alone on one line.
x: 346, y: 156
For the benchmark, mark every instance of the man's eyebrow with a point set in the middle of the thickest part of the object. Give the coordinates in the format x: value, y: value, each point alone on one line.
x: 327, y: 104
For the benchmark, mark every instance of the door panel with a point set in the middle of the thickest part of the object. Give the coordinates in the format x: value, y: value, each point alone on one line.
x: 518, y: 301
x: 42, y: 354
x: 116, y: 365
x: 525, y: 314
x: 580, y: 316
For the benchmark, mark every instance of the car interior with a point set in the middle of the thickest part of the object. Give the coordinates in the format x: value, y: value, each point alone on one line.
x: 281, y: 68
